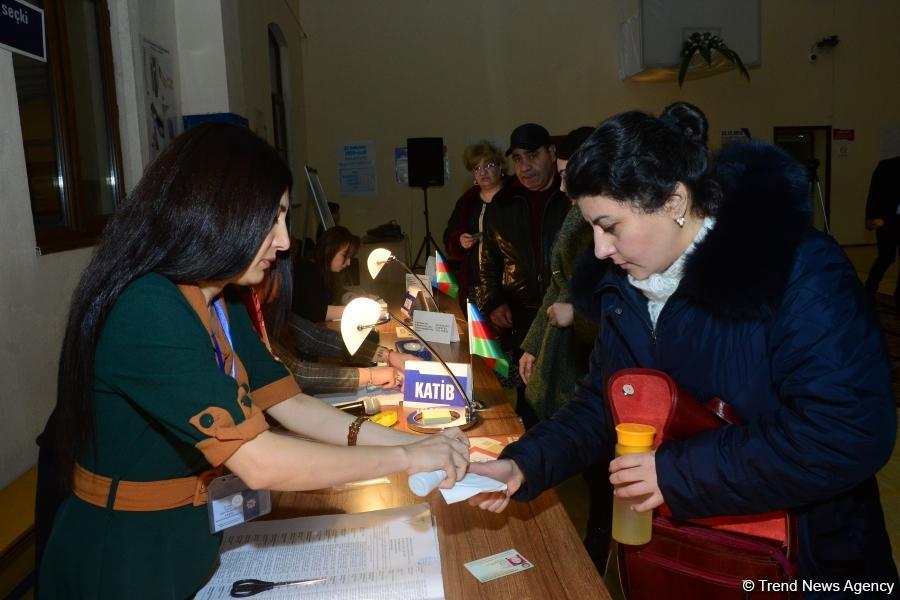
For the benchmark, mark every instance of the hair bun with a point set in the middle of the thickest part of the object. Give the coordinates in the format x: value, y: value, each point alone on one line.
x: 688, y: 120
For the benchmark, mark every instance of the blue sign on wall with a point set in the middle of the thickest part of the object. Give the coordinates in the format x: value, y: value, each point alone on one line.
x: 22, y: 29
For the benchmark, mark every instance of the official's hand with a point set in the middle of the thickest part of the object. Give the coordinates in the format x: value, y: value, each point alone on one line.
x: 398, y: 360
x: 504, y: 470
x: 634, y: 476
x: 466, y: 240
x: 874, y: 224
x: 561, y: 314
x: 386, y: 376
x: 502, y: 316
x: 447, y: 450
x: 526, y: 364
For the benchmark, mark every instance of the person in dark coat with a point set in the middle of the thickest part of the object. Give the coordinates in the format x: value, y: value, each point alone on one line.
x: 721, y: 281
x: 520, y: 227
x: 464, y: 228
x: 882, y: 205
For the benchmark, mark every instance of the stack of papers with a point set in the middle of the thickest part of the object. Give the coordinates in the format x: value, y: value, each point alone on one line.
x: 390, y: 553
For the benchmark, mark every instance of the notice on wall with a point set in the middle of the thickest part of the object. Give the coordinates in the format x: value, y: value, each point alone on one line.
x: 356, y: 169
x: 842, y: 138
x: 160, y: 97
x: 401, y: 166
x: 730, y: 136
x: 890, y: 141
x: 446, y: 165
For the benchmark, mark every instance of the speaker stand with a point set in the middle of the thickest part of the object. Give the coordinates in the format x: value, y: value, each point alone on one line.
x: 427, y: 241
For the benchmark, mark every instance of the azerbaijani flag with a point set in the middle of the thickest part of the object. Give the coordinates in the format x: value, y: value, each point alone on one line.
x: 482, y: 342
x: 445, y: 280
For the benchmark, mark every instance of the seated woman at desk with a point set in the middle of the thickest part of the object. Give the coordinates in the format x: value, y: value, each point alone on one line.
x: 310, y: 339
x: 314, y: 291
x: 721, y: 281
x: 163, y: 381
x: 315, y: 378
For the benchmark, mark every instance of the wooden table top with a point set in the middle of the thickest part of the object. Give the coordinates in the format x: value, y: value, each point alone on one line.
x: 540, y: 530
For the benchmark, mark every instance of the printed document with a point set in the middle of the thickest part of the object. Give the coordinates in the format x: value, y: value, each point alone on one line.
x: 389, y: 553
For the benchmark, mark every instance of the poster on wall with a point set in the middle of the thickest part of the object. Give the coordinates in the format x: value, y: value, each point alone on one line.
x: 401, y: 165
x: 730, y: 136
x: 160, y: 97
x: 890, y: 141
x: 843, y: 138
x: 446, y: 165
x: 356, y: 169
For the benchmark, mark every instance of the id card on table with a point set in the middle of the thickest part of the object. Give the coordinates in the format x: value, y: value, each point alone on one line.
x: 498, y: 565
x: 231, y: 502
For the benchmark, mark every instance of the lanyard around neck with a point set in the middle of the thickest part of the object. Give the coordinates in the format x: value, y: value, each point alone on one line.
x: 220, y: 356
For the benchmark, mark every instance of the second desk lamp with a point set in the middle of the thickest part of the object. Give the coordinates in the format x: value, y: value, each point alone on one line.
x: 360, y: 317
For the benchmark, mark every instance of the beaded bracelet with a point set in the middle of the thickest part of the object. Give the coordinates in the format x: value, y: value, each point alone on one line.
x: 353, y: 432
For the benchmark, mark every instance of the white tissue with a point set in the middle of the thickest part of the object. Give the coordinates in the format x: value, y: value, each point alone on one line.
x: 423, y: 483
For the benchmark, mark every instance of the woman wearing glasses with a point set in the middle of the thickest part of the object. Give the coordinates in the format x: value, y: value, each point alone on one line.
x: 488, y: 168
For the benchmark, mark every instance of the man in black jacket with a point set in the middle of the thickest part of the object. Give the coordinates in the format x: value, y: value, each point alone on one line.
x: 883, y: 215
x: 520, y: 227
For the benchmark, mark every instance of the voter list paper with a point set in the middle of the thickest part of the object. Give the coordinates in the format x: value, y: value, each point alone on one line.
x: 498, y: 565
x: 389, y: 553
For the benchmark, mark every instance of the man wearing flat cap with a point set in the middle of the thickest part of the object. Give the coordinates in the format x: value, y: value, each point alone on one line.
x: 520, y: 227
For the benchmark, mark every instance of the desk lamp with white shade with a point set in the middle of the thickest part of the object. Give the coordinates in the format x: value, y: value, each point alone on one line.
x: 379, y: 257
x: 360, y: 317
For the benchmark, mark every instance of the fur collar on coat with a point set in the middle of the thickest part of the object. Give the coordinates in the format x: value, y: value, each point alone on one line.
x: 739, y: 271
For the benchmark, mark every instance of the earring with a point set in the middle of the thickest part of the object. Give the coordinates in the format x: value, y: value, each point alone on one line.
x: 680, y: 221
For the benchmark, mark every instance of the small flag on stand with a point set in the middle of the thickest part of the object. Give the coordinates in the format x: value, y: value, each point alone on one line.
x: 482, y: 342
x: 445, y: 280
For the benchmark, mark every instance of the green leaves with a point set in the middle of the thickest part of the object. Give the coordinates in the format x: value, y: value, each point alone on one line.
x: 706, y: 43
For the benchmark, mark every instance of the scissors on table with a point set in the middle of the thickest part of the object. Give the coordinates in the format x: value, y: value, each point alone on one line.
x: 250, y: 587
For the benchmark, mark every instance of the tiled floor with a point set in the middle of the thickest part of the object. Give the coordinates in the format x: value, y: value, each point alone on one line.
x: 574, y: 492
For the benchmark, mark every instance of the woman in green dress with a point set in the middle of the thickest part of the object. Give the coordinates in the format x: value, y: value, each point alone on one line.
x: 163, y: 381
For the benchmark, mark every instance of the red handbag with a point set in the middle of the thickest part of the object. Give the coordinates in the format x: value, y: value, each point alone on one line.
x: 700, y: 558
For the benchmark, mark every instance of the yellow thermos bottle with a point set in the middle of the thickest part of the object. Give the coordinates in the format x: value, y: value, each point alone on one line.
x: 628, y: 526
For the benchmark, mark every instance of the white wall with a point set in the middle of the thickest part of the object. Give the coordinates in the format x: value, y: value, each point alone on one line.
x: 246, y: 49
x: 35, y: 291
x: 34, y: 295
x: 387, y: 71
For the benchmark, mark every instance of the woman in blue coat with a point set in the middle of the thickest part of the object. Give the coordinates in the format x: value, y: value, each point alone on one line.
x: 721, y: 282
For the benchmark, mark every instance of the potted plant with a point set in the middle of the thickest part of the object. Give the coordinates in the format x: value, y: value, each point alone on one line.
x: 705, y: 44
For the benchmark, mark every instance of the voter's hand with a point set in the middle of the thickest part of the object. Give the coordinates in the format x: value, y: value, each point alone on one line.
x: 504, y: 470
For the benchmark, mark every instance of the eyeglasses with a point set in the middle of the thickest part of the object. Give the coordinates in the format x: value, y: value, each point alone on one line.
x: 484, y: 168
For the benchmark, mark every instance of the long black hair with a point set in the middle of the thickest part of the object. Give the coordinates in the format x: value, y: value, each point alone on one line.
x: 199, y: 213
x: 328, y: 245
x: 637, y: 158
